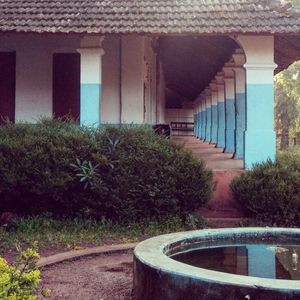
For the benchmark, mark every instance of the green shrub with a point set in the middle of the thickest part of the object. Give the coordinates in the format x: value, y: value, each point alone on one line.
x: 270, y: 192
x: 20, y: 281
x: 35, y: 171
x: 117, y: 173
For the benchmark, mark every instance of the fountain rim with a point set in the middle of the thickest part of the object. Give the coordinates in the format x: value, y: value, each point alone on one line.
x: 151, y: 252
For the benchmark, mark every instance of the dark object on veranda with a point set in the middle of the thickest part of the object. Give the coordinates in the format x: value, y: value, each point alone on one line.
x: 162, y: 129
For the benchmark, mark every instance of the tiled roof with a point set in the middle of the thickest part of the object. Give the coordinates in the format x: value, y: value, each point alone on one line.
x: 147, y: 16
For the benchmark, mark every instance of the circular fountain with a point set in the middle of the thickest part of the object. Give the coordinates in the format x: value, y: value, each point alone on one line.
x: 240, y: 263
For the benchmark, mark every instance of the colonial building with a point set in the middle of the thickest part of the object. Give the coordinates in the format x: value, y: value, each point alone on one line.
x: 129, y: 61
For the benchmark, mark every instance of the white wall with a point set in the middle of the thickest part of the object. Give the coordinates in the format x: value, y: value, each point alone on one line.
x: 180, y: 115
x: 34, y: 56
x: 34, y: 71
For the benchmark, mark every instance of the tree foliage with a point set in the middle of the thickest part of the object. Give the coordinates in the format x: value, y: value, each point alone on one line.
x: 287, y: 104
x: 296, y: 3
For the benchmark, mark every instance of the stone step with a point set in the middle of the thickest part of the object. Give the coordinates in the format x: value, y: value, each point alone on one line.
x: 220, y: 213
x: 225, y: 222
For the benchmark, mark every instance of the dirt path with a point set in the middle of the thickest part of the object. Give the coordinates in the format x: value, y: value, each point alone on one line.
x: 108, y: 277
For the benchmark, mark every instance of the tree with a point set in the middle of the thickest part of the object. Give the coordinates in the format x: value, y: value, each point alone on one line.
x: 296, y: 3
x: 287, y: 103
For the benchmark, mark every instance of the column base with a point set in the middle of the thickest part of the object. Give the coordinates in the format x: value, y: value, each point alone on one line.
x: 213, y: 141
x: 259, y: 147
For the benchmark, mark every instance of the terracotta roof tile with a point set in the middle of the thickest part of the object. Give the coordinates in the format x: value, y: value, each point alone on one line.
x: 147, y: 16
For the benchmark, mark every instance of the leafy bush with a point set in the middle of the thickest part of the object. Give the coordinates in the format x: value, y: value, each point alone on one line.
x: 270, y: 192
x: 20, y: 281
x: 117, y: 173
x: 35, y: 171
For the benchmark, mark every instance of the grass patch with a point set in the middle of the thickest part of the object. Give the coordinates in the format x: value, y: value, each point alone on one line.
x: 75, y: 233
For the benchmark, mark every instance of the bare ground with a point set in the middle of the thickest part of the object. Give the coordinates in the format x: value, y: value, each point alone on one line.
x: 108, y: 277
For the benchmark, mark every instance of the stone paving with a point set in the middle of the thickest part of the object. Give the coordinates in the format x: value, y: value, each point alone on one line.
x: 214, y: 157
x: 222, y: 210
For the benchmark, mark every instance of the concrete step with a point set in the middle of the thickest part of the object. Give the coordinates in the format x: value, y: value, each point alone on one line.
x: 225, y: 222
x: 220, y: 213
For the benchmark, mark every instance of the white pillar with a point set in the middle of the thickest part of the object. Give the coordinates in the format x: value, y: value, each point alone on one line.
x: 90, y: 80
x: 260, y: 138
x: 221, y: 110
x: 196, y: 117
x: 214, y: 112
x: 203, y: 116
x: 240, y: 96
x: 229, y: 107
x: 208, y: 115
x: 200, y: 121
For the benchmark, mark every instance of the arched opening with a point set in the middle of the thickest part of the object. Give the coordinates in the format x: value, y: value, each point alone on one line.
x: 195, y: 70
x: 191, y: 63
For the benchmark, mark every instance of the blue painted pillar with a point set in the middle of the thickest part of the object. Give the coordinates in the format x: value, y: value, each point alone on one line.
x: 261, y: 261
x: 214, y: 113
x: 199, y: 119
x: 208, y: 115
x: 203, y: 118
x: 196, y: 118
x: 195, y: 124
x: 221, y: 110
x: 229, y: 108
x: 90, y: 81
x: 240, y: 85
x: 260, y: 138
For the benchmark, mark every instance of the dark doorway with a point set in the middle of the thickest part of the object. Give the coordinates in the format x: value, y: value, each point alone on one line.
x: 66, y: 85
x: 7, y: 86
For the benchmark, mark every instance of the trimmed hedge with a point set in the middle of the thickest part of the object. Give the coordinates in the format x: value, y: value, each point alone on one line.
x: 117, y: 173
x: 270, y: 193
